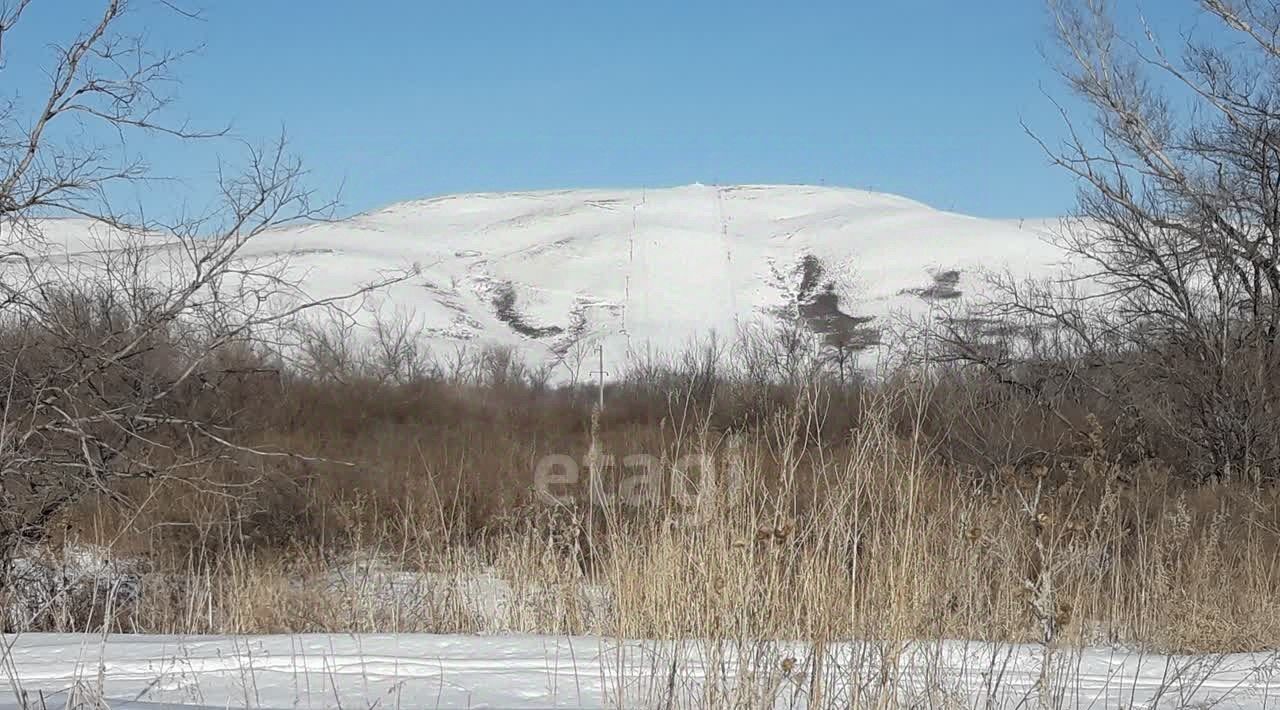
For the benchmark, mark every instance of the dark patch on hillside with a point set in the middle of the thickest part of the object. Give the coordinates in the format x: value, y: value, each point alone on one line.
x: 817, y: 303
x: 504, y: 307
x: 945, y: 287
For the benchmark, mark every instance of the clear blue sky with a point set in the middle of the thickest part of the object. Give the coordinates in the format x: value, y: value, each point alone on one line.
x: 404, y: 99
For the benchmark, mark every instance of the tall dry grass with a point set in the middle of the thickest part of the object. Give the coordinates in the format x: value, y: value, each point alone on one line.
x: 787, y: 531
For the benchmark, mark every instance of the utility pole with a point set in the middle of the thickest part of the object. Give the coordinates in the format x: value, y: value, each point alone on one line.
x: 600, y: 375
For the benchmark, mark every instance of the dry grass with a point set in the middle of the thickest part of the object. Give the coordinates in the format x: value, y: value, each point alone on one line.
x: 799, y: 534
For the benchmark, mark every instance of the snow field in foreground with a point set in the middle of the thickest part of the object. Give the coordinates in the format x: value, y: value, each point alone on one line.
x: 514, y: 671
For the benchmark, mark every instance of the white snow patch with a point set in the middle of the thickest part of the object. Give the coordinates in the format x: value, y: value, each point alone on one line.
x: 314, y: 671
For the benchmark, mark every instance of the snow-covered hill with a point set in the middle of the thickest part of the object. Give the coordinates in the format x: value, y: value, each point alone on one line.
x: 647, y: 269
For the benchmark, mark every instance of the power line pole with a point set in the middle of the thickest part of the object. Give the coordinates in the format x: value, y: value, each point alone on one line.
x: 600, y: 375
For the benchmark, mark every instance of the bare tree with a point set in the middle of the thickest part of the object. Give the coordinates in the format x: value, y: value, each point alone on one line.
x: 1171, y: 313
x: 399, y: 353
x: 113, y: 365
x: 812, y: 335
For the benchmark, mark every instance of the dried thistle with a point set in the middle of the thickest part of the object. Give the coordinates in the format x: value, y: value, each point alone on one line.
x: 1062, y: 615
x: 783, y: 532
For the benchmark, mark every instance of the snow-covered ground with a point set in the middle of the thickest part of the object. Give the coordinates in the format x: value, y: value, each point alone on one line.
x: 505, y: 668
x: 423, y: 671
x: 636, y: 270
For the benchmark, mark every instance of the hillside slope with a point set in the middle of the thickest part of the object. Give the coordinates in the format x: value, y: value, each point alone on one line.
x: 645, y: 269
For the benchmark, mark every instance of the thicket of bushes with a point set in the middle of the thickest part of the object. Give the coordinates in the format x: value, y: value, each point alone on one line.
x: 918, y: 503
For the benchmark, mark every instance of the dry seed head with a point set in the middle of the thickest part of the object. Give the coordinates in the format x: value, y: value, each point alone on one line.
x: 952, y: 602
x: 783, y: 532
x: 973, y: 534
x: 1096, y: 439
x: 1062, y: 615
